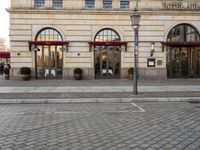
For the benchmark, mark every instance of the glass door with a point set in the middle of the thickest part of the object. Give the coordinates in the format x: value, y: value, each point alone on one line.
x: 49, y: 62
x: 178, y: 62
x: 183, y: 62
x: 195, y: 62
x: 107, y: 63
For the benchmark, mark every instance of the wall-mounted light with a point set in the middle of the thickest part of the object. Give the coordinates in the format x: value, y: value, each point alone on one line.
x: 62, y: 49
x: 95, y: 48
x: 120, y: 49
x: 15, y: 53
x: 36, y: 49
x: 152, y: 49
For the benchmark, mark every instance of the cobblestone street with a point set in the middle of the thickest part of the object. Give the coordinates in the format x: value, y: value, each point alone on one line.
x: 100, y: 126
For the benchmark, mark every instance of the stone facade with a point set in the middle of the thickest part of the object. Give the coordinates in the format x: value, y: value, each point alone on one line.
x: 78, y: 25
x: 2, y: 45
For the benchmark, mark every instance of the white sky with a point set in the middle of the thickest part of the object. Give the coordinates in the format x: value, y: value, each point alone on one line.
x: 4, y: 20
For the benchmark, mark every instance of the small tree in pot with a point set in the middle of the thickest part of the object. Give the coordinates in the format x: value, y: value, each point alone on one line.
x: 6, y: 72
x: 78, y: 73
x: 25, y: 73
x: 130, y: 73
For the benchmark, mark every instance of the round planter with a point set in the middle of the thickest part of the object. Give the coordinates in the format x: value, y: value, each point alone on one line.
x: 25, y: 77
x: 6, y: 76
x: 77, y: 76
x: 130, y: 77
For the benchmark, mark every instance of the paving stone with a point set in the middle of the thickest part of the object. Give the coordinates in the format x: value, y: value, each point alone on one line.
x: 164, y: 125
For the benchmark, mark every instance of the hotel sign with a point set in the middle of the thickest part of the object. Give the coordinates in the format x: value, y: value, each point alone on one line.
x: 180, y: 5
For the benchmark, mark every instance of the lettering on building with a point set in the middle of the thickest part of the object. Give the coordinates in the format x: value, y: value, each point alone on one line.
x: 189, y: 6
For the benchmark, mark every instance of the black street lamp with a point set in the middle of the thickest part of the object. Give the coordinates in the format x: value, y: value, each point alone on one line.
x: 135, y: 19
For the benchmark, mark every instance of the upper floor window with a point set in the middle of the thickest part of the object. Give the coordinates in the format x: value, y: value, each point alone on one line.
x: 124, y: 4
x: 89, y: 4
x: 39, y: 3
x: 107, y: 4
x: 57, y: 4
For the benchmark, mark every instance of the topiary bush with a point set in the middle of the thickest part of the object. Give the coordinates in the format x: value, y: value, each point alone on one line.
x: 78, y: 71
x: 130, y: 70
x: 6, y: 71
x: 25, y: 70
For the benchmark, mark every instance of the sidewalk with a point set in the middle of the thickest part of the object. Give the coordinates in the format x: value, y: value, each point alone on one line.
x: 44, y: 91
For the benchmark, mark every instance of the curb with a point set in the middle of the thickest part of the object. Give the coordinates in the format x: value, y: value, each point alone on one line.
x: 98, y: 100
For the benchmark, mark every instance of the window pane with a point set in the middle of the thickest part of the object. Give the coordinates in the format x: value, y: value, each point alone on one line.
x: 124, y: 4
x: 49, y: 35
x: 39, y: 3
x: 89, y: 4
x: 57, y: 4
x: 183, y: 33
x: 107, y: 35
x: 107, y: 4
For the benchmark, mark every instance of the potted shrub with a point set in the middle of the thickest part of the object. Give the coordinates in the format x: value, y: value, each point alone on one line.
x: 130, y: 73
x: 25, y: 73
x: 78, y: 73
x: 6, y: 72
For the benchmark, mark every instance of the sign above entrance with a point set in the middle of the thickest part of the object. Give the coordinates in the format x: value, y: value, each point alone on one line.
x: 35, y: 43
x: 108, y: 44
x: 181, y: 5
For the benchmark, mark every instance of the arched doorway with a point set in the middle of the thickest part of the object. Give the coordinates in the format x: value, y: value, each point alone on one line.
x: 107, y: 54
x: 183, y: 52
x: 49, y: 54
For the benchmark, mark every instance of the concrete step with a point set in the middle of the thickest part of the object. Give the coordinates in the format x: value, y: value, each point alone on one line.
x: 97, y: 95
x: 99, y: 100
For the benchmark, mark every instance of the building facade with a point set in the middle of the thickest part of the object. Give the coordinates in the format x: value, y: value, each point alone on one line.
x: 55, y: 36
x: 2, y: 45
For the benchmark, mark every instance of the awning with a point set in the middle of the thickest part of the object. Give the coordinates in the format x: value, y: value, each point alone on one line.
x: 181, y: 44
x: 4, y: 54
x: 35, y: 43
x: 108, y: 43
x: 119, y: 43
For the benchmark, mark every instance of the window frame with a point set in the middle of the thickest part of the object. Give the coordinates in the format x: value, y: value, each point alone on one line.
x: 183, y: 33
x: 92, y: 2
x: 106, y: 4
x: 125, y: 6
x: 39, y: 4
x: 107, y: 33
x: 58, y: 4
x: 46, y: 33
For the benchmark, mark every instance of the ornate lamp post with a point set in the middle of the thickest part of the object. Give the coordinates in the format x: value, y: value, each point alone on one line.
x: 135, y: 19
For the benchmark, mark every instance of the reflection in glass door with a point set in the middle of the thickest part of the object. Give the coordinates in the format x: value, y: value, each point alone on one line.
x: 178, y: 62
x: 195, y: 62
x: 107, y: 62
x: 49, y: 62
x: 183, y: 62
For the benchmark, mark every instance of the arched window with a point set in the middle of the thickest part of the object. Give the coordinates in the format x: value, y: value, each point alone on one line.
x: 49, y: 34
x: 183, y: 33
x: 106, y: 35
